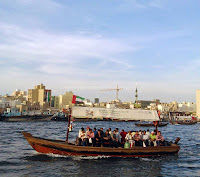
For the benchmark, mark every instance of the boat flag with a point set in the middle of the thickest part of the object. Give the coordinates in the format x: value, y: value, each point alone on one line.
x: 75, y: 97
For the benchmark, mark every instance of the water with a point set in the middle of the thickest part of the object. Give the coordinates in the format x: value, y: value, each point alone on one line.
x: 17, y: 158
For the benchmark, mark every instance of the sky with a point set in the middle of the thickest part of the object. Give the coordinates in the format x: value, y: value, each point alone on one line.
x: 91, y: 45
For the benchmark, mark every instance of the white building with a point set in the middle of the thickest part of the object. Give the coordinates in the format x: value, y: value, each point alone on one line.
x: 87, y: 102
x: 198, y: 103
x: 4, y: 104
x: 152, y: 106
x: 110, y: 106
x: 163, y: 108
x: 9, y: 104
x: 12, y: 104
x: 187, y: 107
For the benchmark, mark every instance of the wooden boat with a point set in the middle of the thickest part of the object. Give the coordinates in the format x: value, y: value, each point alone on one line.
x: 186, y: 122
x: 150, y: 124
x: 63, y: 148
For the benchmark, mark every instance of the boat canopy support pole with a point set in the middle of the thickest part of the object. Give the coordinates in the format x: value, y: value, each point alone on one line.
x: 69, y: 117
x: 156, y: 125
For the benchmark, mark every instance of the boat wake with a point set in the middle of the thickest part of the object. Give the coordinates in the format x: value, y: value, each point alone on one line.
x: 89, y: 157
x: 77, y: 157
x: 149, y: 159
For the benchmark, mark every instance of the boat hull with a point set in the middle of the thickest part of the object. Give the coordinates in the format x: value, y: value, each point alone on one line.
x: 25, y: 118
x: 62, y: 148
x: 186, y: 123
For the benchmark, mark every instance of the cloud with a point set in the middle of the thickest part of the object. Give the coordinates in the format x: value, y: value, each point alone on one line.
x: 49, y: 53
x: 156, y: 3
x: 130, y: 5
x: 46, y: 41
x: 46, y: 5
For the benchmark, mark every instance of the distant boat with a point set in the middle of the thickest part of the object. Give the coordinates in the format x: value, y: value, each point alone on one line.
x: 60, y: 116
x: 22, y: 118
x: 186, y: 122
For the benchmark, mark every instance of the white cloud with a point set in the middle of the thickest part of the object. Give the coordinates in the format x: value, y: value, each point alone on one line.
x: 44, y: 4
x: 39, y: 46
x: 130, y: 5
x: 156, y: 3
x: 64, y: 60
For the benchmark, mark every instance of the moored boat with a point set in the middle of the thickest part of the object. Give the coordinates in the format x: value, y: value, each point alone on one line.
x: 64, y: 148
x: 23, y: 118
x: 186, y: 122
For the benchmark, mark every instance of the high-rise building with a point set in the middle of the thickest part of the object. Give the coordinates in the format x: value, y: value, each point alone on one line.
x: 55, y: 102
x: 65, y: 100
x: 96, y: 100
x: 198, y: 103
x: 40, y: 95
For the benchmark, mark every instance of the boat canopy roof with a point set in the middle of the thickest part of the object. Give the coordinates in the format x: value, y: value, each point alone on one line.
x: 115, y: 113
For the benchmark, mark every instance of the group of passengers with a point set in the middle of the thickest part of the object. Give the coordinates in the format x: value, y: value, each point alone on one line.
x: 145, y: 138
x: 99, y: 138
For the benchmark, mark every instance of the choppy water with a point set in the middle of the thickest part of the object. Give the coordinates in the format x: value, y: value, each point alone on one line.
x: 17, y: 158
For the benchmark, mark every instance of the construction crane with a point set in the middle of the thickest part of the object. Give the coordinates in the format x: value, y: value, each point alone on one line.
x: 117, y: 89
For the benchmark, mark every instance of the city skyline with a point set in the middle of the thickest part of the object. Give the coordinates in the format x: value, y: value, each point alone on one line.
x: 110, y: 96
x: 88, y: 46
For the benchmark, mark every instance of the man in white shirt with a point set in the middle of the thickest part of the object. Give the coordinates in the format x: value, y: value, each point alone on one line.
x: 80, y: 131
x: 81, y: 136
x: 129, y: 138
x: 145, y: 139
x: 148, y: 132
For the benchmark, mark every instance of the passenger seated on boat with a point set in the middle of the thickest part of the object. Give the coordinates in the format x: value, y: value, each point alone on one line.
x: 133, y: 133
x: 82, y: 138
x: 110, y: 132
x: 123, y: 135
x: 102, y: 132
x: 87, y: 130
x: 129, y: 138
x: 140, y: 132
x: 107, y: 139
x: 137, y: 139
x: 145, y: 139
x: 148, y: 132
x: 152, y: 139
x: 95, y: 131
x: 98, y: 139
x: 115, y: 141
x: 90, y: 137
x: 118, y: 136
x: 80, y: 131
x: 160, y: 140
x: 78, y: 139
